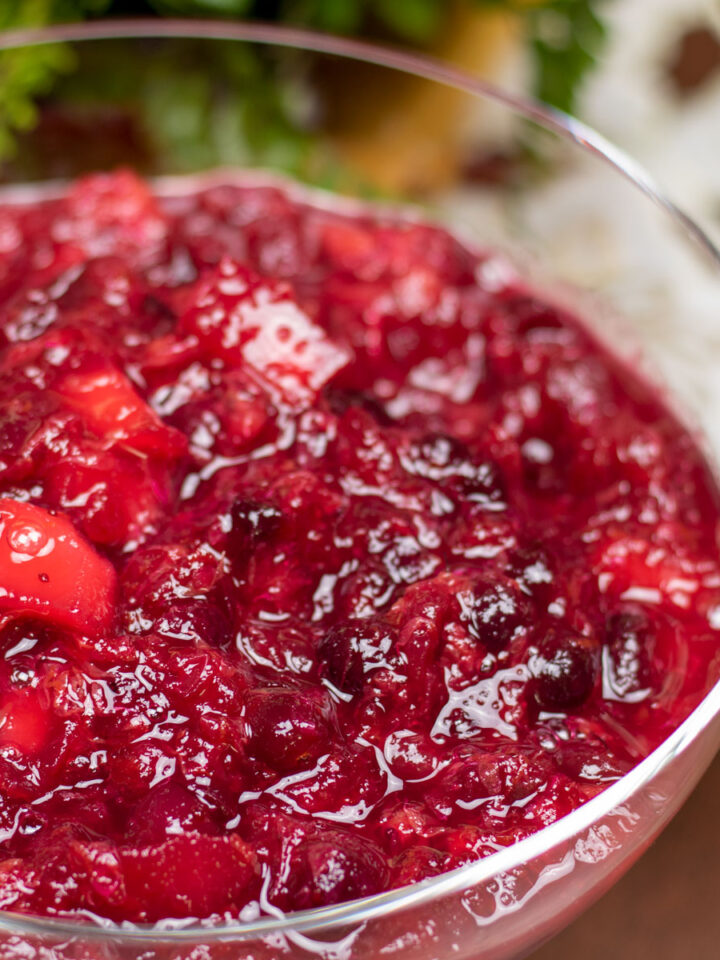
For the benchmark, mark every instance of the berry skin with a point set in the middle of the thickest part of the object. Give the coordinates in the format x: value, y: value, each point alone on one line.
x: 23, y: 723
x: 106, y: 401
x: 167, y: 810
x: 340, y: 651
x: 495, y: 611
x: 289, y: 729
x: 249, y: 321
x: 565, y: 670
x: 253, y: 522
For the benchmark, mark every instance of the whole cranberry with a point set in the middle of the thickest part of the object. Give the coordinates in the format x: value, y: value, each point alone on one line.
x: 288, y: 728
x: 141, y: 765
x: 438, y: 456
x: 590, y: 760
x: 629, y: 673
x: 195, y: 620
x: 564, y: 671
x: 340, y: 651
x: 368, y: 589
x: 23, y: 417
x: 401, y: 824
x: 544, y: 464
x: 254, y: 521
x: 350, y: 648
x: 411, y: 755
x: 335, y: 867
x: 495, y: 611
x: 508, y: 773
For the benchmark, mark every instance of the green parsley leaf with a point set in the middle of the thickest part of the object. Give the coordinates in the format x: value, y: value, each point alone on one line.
x: 566, y: 36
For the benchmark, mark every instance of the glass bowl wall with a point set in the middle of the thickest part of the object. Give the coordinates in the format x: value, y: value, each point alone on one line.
x: 575, y: 214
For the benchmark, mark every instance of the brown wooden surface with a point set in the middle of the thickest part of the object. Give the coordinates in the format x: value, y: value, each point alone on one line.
x: 668, y: 906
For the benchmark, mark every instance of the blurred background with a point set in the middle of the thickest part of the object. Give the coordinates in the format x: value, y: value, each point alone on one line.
x: 646, y: 73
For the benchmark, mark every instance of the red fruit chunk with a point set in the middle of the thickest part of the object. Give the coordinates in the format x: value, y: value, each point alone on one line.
x: 495, y: 611
x: 565, y: 671
x: 248, y: 320
x: 418, y: 863
x: 352, y: 648
x: 192, y: 875
x: 48, y: 570
x: 334, y: 867
x: 109, y: 405
x: 23, y: 722
x: 115, y: 497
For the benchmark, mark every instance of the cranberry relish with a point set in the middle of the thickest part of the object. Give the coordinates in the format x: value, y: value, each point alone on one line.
x: 332, y: 558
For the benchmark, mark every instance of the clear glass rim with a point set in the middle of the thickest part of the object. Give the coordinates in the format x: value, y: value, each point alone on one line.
x: 357, y: 912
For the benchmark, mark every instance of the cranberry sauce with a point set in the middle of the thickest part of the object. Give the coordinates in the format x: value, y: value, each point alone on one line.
x: 331, y: 557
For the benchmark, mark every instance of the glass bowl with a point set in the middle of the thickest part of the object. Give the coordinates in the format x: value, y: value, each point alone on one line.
x: 578, y: 215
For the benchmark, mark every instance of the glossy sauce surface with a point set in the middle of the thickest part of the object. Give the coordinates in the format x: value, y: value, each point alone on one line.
x: 331, y: 557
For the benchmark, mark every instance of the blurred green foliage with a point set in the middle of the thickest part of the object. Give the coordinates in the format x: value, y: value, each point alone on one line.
x: 188, y: 119
x: 566, y: 36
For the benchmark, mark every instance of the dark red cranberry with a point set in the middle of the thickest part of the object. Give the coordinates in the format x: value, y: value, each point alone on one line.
x: 531, y: 567
x: 351, y: 648
x: 565, y: 670
x: 340, y: 651
x: 529, y: 314
x: 544, y: 464
x: 411, y: 756
x: 158, y: 577
x: 159, y: 311
x: 288, y: 728
x: 629, y: 673
x: 334, y: 868
x: 401, y: 823
x: 508, y: 773
x: 24, y: 422
x: 141, y: 766
x: 495, y: 611
x: 166, y: 811
x: 447, y: 460
x: 255, y: 522
x: 369, y: 589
